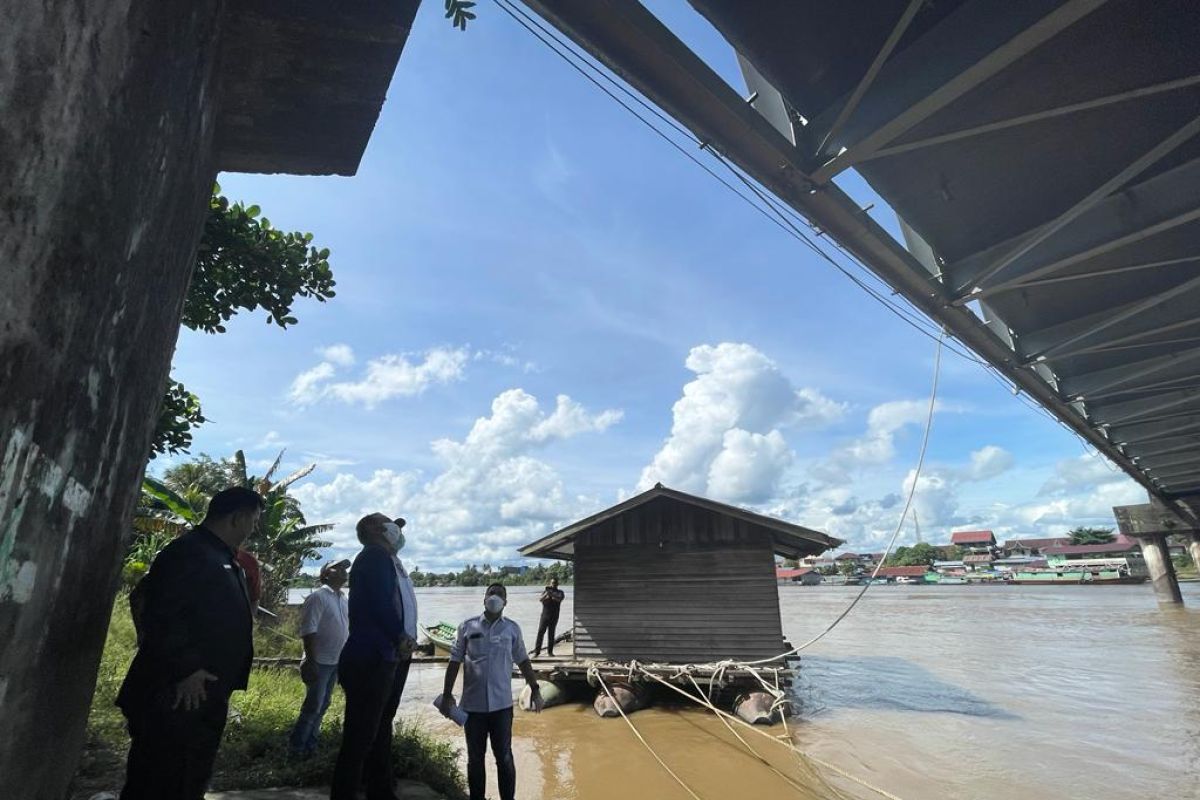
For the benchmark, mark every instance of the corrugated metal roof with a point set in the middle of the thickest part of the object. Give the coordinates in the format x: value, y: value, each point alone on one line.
x: 789, y: 540
x: 973, y: 537
x: 1085, y: 549
x: 1044, y: 156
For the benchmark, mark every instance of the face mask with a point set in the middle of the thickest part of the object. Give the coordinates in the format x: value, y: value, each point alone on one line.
x: 391, y: 532
x: 494, y: 604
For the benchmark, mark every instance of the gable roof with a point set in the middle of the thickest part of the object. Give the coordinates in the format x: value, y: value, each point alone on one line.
x: 900, y: 572
x: 973, y: 537
x: 787, y: 539
x: 1030, y: 544
x: 1085, y: 549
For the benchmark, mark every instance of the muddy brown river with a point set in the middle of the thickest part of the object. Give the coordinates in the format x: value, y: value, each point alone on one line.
x: 926, y: 692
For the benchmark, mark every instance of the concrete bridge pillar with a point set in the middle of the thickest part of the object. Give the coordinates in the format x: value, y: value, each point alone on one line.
x: 1162, y: 571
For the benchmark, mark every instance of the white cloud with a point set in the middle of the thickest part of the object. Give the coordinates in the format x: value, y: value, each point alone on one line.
x: 735, y: 408
x: 309, y: 385
x: 988, y: 462
x: 387, y: 377
x: 878, y: 444
x: 491, y: 495
x: 339, y: 354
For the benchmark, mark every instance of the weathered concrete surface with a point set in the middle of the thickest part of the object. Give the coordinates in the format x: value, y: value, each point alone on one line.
x: 304, y: 81
x: 1162, y: 571
x: 106, y: 121
x: 108, y: 117
x: 405, y: 790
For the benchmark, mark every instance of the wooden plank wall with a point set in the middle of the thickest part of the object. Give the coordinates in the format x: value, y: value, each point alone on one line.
x: 673, y: 583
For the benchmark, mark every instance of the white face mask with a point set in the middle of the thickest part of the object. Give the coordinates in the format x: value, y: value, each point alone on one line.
x: 391, y: 532
x: 494, y: 604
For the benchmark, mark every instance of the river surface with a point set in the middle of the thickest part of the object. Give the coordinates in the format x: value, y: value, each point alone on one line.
x: 928, y: 692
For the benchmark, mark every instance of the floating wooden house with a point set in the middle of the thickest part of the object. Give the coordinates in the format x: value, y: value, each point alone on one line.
x: 668, y: 578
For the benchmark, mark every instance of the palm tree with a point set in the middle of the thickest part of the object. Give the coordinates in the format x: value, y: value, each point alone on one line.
x: 282, y: 542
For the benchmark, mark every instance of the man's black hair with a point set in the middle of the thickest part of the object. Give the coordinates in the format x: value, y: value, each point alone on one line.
x: 234, y: 500
x: 499, y: 586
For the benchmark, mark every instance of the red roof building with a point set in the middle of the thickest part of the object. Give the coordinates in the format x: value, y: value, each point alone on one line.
x: 974, y: 539
x: 846, y: 557
x: 1034, y: 546
x: 790, y: 573
x: 903, y: 572
x: 1117, y: 547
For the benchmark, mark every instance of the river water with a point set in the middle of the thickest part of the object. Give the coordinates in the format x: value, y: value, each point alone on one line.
x: 928, y: 692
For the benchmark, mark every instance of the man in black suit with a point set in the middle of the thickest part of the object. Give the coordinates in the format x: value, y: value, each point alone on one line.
x: 195, y: 629
x: 374, y: 663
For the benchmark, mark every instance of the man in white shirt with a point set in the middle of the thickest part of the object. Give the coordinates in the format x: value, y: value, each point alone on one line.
x: 324, y: 627
x: 486, y: 649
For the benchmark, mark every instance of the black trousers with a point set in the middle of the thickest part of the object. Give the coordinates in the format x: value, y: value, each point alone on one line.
x: 547, y: 624
x: 373, y: 690
x: 171, y: 752
x: 497, y: 726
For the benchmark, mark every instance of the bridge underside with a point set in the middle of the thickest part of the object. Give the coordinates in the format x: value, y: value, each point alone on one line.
x: 1043, y: 156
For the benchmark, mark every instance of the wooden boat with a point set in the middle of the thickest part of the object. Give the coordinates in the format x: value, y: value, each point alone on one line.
x: 443, y: 634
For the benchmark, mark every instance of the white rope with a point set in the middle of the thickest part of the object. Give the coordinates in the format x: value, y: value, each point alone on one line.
x: 600, y: 679
x: 825, y: 764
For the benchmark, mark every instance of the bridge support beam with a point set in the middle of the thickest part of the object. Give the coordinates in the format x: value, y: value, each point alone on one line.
x: 1162, y: 571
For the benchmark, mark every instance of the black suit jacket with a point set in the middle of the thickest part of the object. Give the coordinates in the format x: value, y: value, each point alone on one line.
x: 376, y: 607
x: 195, y: 614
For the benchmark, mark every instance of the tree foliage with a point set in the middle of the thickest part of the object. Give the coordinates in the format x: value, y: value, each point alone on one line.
x: 243, y: 263
x: 283, y: 541
x: 917, y: 555
x: 457, y: 11
x: 1092, y: 536
x: 472, y: 575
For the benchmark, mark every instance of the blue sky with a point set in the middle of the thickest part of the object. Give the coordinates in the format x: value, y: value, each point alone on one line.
x: 542, y: 308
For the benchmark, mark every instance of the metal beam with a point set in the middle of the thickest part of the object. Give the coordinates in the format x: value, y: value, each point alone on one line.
x: 1170, y: 316
x: 1147, y: 209
x: 1140, y: 165
x: 1112, y: 319
x: 1180, y: 444
x: 627, y: 38
x: 1087, y: 385
x: 1037, y: 116
x: 1150, y: 389
x: 1143, y: 433
x: 1131, y: 410
x: 1174, y: 475
x: 856, y: 96
x: 1184, y: 460
x: 1104, y: 273
x: 975, y: 42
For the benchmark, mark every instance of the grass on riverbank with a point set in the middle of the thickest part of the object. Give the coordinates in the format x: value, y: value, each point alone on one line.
x: 253, y: 751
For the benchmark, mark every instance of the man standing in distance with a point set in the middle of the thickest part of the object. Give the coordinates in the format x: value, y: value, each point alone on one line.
x: 324, y: 626
x: 486, y: 648
x: 374, y: 663
x: 195, y: 635
x: 551, y: 600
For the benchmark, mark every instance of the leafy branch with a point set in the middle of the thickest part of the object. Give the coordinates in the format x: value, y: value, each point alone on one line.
x: 457, y: 11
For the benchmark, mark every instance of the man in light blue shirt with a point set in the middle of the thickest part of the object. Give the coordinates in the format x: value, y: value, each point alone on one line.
x: 486, y: 649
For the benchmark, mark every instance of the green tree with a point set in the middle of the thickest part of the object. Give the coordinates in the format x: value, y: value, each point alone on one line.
x: 1092, y: 536
x: 242, y: 264
x: 847, y: 568
x: 920, y: 554
x: 283, y: 541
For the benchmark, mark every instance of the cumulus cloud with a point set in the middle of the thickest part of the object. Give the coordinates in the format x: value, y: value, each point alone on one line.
x: 340, y: 354
x: 386, y: 377
x: 878, y: 444
x: 989, y: 462
x: 726, y: 436
x: 491, y: 494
